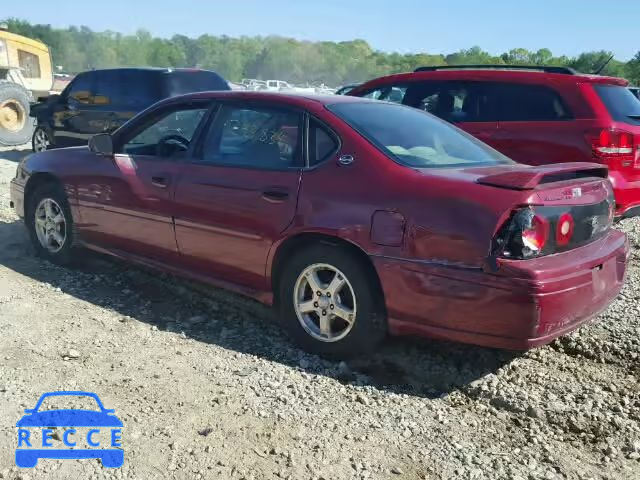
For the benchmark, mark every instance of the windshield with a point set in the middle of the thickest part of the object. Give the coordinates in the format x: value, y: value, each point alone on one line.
x: 415, y: 138
x: 621, y: 103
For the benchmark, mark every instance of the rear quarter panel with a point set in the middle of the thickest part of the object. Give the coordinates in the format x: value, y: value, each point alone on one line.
x: 447, y: 218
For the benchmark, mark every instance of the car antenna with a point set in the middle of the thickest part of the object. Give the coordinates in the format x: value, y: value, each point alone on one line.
x: 597, y: 72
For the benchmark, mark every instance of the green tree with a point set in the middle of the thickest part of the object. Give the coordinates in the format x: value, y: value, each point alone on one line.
x: 273, y: 57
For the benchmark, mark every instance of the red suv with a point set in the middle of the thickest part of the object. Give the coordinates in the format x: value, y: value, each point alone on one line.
x: 534, y: 115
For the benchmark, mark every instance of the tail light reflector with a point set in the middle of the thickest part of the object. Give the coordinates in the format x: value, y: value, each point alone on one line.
x: 564, y: 229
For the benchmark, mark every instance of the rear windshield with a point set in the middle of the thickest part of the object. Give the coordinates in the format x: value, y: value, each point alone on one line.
x: 621, y: 103
x: 181, y: 82
x: 415, y: 138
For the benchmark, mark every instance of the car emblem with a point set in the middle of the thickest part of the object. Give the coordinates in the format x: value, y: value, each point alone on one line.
x: 577, y: 192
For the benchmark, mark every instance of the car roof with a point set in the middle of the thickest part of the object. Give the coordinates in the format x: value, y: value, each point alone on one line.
x: 495, y: 74
x: 147, y: 69
x: 297, y: 99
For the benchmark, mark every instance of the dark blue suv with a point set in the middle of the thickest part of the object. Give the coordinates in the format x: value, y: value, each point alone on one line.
x: 100, y: 101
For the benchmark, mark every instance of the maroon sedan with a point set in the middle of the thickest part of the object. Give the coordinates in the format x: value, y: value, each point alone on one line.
x: 355, y: 218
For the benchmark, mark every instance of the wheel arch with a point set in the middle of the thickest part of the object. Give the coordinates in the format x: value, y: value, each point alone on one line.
x: 36, y: 180
x: 299, y: 241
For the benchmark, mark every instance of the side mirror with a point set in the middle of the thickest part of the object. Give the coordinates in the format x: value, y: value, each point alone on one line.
x: 49, y: 98
x: 102, y: 144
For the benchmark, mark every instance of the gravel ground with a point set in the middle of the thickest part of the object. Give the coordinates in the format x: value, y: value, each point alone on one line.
x: 208, y: 386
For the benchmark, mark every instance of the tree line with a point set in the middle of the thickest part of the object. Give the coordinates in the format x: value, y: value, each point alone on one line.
x: 301, y: 62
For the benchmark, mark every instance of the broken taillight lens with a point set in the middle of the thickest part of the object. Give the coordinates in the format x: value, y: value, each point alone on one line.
x: 524, y: 235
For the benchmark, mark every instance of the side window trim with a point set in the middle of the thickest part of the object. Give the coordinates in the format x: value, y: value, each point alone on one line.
x: 197, y: 156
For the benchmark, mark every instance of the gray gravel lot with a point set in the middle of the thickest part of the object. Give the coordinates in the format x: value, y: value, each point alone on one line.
x: 209, y: 387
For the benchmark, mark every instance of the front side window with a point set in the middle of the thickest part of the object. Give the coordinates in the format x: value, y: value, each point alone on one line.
x: 79, y: 91
x: 29, y: 64
x: 414, y: 138
x: 168, y: 134
x: 257, y: 137
x: 127, y: 88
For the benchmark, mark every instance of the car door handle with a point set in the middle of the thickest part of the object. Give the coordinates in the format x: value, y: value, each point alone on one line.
x: 160, y: 182
x: 275, y: 195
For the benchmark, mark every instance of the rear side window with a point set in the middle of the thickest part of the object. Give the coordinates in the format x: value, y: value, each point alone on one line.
x: 266, y: 138
x: 453, y: 101
x: 105, y: 87
x: 322, y: 143
x: 528, y: 103
x: 139, y: 89
x: 179, y: 82
x: 622, y: 104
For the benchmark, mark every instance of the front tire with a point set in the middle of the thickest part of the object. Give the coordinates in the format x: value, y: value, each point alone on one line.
x: 330, y: 304
x: 50, y: 224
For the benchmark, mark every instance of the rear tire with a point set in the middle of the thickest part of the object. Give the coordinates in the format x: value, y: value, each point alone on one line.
x: 41, y: 139
x: 16, y: 126
x: 317, y: 322
x: 50, y: 224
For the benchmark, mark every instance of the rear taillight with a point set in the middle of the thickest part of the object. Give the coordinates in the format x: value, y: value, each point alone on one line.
x: 535, y: 236
x: 544, y: 230
x: 614, y: 147
x: 524, y: 235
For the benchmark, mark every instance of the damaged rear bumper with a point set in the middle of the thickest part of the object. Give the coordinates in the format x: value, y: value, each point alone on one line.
x: 527, y: 303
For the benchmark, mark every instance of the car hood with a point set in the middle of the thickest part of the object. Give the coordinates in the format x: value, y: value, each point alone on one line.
x: 69, y: 418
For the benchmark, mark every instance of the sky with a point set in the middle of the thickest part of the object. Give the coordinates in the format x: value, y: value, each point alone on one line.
x: 566, y: 27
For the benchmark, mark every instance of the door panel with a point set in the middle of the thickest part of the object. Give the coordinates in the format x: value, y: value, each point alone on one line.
x: 483, y: 131
x: 231, y: 207
x: 74, y: 120
x: 228, y: 218
x: 539, y: 143
x: 125, y: 204
x: 536, y: 126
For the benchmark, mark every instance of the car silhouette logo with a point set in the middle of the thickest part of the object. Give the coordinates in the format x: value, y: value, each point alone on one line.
x: 28, y: 452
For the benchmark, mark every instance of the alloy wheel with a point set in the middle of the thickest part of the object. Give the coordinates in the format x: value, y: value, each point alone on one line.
x: 40, y: 140
x: 50, y: 225
x: 325, y: 302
